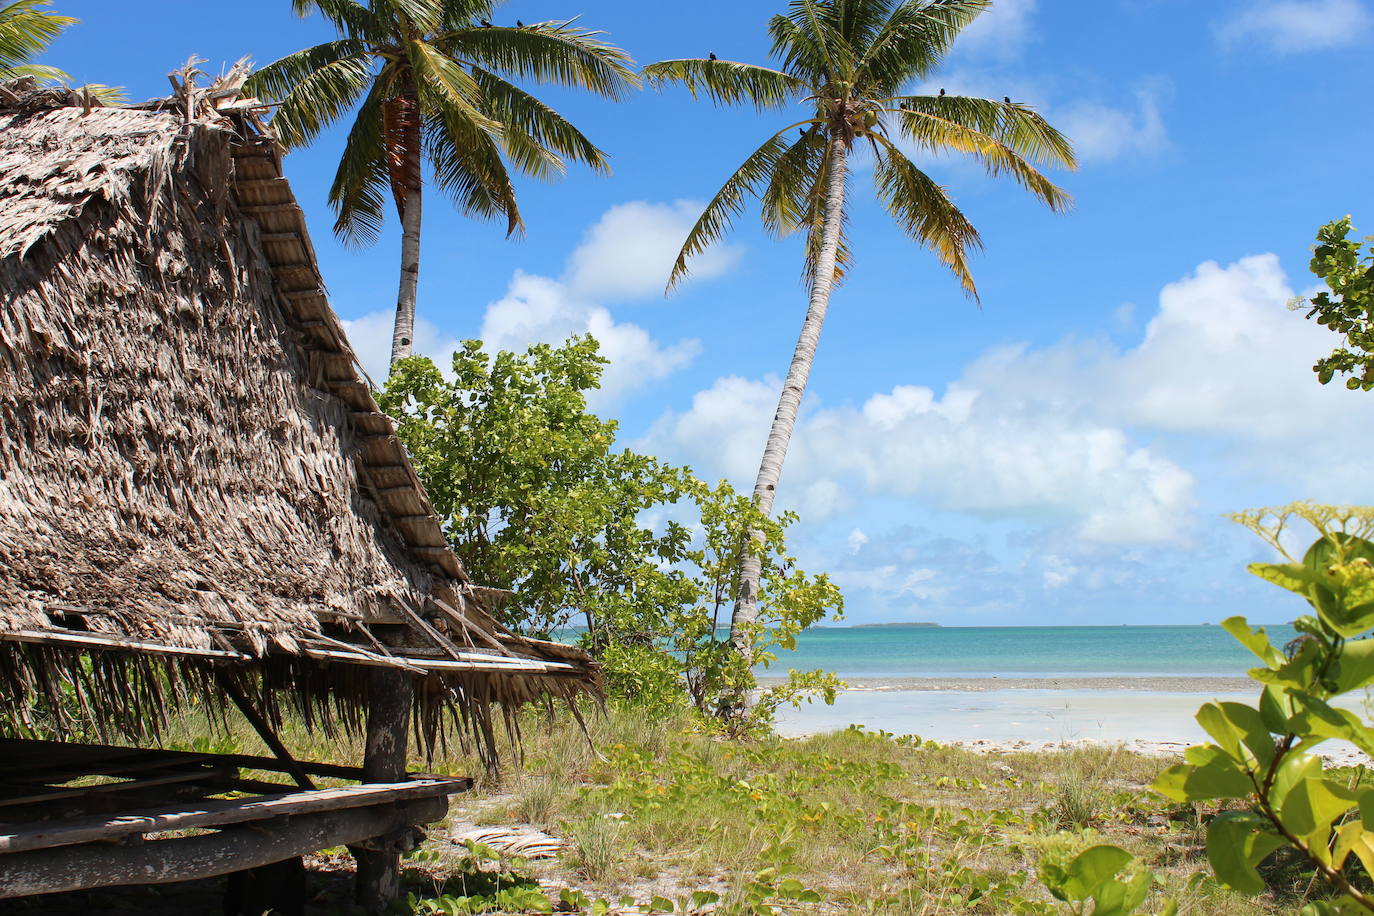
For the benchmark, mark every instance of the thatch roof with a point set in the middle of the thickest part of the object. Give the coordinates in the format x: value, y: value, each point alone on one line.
x: 192, y: 465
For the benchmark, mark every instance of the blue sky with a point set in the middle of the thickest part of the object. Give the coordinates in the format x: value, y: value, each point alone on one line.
x: 1061, y: 455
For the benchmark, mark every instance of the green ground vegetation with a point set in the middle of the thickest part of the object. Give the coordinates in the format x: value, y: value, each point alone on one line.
x: 663, y: 815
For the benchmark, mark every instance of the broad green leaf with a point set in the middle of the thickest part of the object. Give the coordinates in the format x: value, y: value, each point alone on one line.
x: 1275, y: 708
x: 1320, y: 719
x: 1355, y: 667
x: 1090, y: 868
x: 1300, y: 671
x: 1295, y: 577
x: 1257, y: 640
x: 1237, y: 841
x: 1236, y: 728
x: 1354, y: 837
x: 1310, y: 808
x: 1293, y: 769
x: 1208, y: 773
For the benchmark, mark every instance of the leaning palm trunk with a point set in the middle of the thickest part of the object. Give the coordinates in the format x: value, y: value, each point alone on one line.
x: 743, y: 621
x: 401, y: 126
x: 403, y: 333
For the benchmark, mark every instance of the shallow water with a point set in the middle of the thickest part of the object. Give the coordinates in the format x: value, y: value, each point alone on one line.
x: 860, y: 652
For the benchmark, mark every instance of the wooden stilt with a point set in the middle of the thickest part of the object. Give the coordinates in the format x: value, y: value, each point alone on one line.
x: 388, y: 727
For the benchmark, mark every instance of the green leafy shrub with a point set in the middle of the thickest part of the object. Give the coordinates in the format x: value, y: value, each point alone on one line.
x: 1261, y: 755
x: 642, y: 556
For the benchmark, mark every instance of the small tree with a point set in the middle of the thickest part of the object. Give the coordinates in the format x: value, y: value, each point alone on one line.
x: 642, y: 555
x: 1346, y: 306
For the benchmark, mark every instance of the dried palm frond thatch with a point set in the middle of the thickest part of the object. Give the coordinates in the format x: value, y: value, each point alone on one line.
x: 193, y: 471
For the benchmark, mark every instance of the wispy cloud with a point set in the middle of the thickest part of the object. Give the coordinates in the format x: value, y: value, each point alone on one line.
x: 1293, y: 26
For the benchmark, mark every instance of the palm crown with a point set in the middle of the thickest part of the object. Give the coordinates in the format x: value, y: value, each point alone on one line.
x: 432, y: 80
x: 847, y: 63
x: 26, y: 30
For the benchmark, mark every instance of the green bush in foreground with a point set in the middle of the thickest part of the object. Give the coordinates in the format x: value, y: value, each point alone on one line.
x: 1261, y: 754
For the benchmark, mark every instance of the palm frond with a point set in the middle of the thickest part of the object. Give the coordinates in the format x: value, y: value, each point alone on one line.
x: 467, y: 167
x: 1019, y: 127
x: 825, y: 43
x: 362, y: 182
x: 316, y: 87
x: 444, y: 84
x: 914, y: 41
x: 800, y: 53
x: 859, y: 22
x: 1013, y: 135
x: 787, y: 204
x: 521, y: 112
x: 349, y: 17
x: 816, y: 213
x: 41, y: 72
x: 26, y: 30
x: 728, y: 203
x: 549, y: 52
x: 726, y: 82
x: 925, y: 212
x: 414, y: 17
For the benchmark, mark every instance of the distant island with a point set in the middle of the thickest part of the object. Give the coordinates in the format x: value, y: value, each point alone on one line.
x: 891, y: 626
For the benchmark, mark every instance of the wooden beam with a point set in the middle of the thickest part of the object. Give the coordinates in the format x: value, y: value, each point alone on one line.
x: 219, y: 813
x: 261, y: 726
x: 101, y: 641
x: 191, y: 858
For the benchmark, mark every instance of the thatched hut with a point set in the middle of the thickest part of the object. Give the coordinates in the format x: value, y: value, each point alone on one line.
x: 201, y: 501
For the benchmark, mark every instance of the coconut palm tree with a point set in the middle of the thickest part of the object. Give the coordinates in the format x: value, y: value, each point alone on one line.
x: 433, y: 80
x: 26, y: 30
x: 847, y: 65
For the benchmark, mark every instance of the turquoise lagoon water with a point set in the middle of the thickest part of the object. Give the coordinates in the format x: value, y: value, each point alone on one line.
x: 1002, y: 714
x: 1114, y: 651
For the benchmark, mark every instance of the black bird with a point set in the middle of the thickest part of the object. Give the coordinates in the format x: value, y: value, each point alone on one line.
x: 486, y: 23
x: 1007, y: 99
x: 519, y: 24
x: 942, y: 93
x: 713, y: 56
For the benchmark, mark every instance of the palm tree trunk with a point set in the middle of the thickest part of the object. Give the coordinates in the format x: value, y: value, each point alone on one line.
x: 402, y: 136
x: 403, y: 334
x: 746, y: 612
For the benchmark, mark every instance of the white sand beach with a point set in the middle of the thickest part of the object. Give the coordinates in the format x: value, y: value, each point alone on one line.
x: 1147, y: 715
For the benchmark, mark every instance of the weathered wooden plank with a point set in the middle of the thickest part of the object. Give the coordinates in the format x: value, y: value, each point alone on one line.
x: 221, y: 812
x: 94, y: 641
x: 129, y: 785
x: 101, y: 760
x: 190, y: 858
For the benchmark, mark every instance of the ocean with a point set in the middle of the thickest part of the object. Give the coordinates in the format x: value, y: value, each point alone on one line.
x: 964, y: 700
x: 1119, y: 651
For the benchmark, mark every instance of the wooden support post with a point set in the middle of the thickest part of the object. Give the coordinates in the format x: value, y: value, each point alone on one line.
x: 388, y: 727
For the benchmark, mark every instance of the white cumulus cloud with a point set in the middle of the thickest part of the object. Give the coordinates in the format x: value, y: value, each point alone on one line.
x: 1292, y: 26
x: 629, y: 252
x: 625, y: 255
x: 538, y: 309
x: 1075, y: 434
x: 370, y: 336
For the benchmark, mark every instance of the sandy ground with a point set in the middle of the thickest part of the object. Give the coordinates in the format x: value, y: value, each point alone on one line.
x: 1147, y: 715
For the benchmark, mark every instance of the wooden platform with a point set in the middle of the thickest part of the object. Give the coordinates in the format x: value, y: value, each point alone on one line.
x: 76, y: 816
